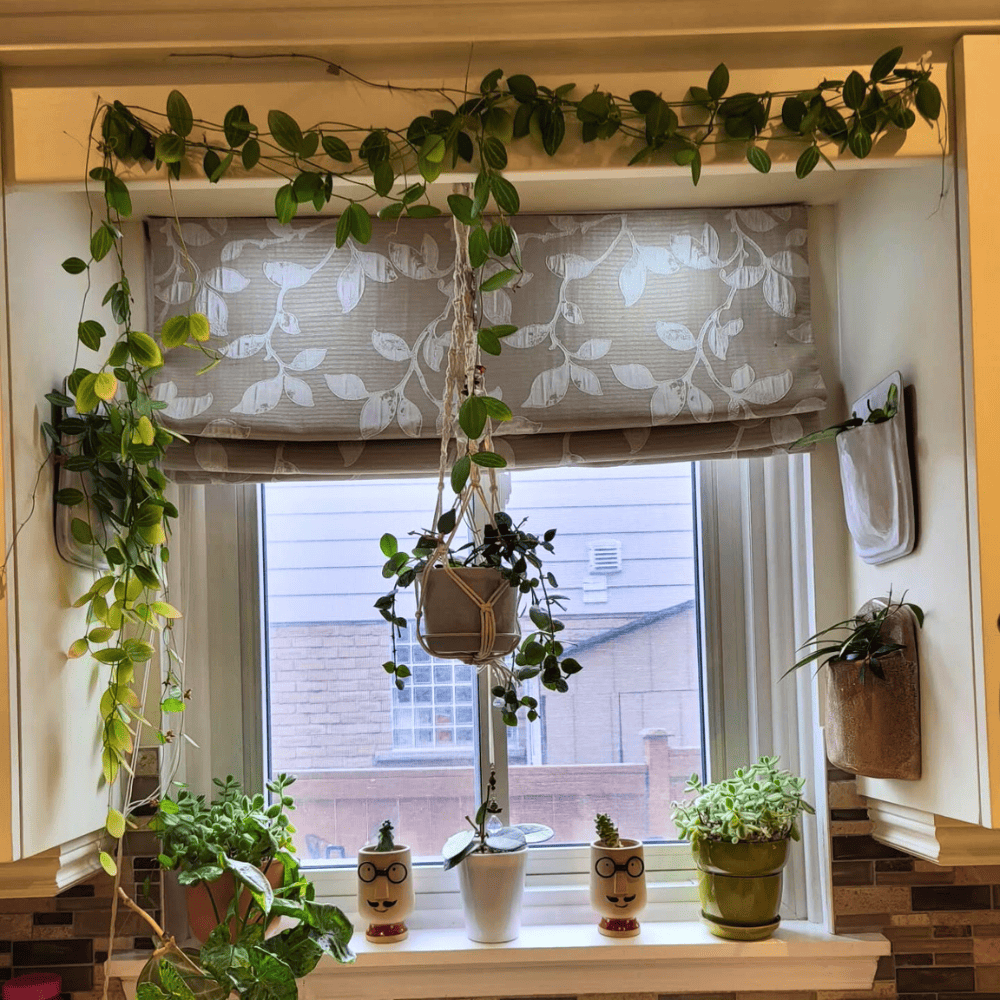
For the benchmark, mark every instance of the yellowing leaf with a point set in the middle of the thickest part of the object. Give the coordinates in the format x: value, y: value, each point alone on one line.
x: 109, y: 764
x: 115, y: 824
x: 78, y: 649
x: 134, y: 588
x: 86, y: 397
x: 165, y: 610
x: 146, y: 432
x: 105, y: 386
x: 199, y: 327
x: 108, y: 864
x: 153, y: 534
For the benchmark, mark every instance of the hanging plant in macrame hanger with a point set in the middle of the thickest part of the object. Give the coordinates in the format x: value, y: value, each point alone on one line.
x: 467, y: 596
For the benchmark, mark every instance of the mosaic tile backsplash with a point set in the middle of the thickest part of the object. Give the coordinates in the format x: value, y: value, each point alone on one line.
x: 944, y: 923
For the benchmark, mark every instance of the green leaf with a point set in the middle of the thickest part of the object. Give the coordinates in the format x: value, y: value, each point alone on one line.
x: 460, y: 473
x: 855, y: 89
x: 115, y: 824
x: 86, y: 398
x: 336, y: 149
x: 501, y: 239
x: 793, y: 111
x: 90, y: 334
x: 236, y: 126
x: 144, y: 349
x: 343, y: 228
x: 73, y: 265
x: 170, y: 148
x: 179, y: 113
x: 108, y: 863
x: 472, y: 417
x: 806, y: 162
x: 253, y: 878
x: 461, y: 207
x: 498, y: 280
x: 393, y: 211
x: 431, y: 157
x: 165, y: 610
x: 928, y: 100
x: 102, y: 241
x: 171, y: 706
x: 388, y: 545
x: 117, y: 196
x: 383, y: 177
x: 860, y: 142
x: 885, y: 64
x: 479, y: 247
x: 718, y: 82
x: 494, y: 153
x: 285, y: 204
x: 489, y: 460
x: 250, y: 154
x: 490, y: 81
x: 758, y: 159
x: 496, y: 408
x: 79, y: 648
x: 488, y: 342
x: 285, y: 131
x: 69, y: 497
x: 360, y: 222
x: 522, y: 87
x: 505, y: 195
x: 422, y: 211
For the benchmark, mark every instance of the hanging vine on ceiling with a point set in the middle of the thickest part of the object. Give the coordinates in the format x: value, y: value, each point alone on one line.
x: 115, y: 439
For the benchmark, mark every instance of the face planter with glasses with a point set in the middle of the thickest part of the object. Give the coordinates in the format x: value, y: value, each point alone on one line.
x: 385, y: 893
x: 618, y: 886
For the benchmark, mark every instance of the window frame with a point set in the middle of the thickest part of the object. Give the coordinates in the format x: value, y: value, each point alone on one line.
x: 756, y: 564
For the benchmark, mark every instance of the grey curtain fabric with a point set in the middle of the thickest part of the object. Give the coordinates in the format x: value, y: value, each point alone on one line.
x: 644, y: 336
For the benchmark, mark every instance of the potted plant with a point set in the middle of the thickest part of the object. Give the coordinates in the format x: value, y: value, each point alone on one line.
x: 873, y: 690
x: 385, y: 887
x: 456, y: 586
x: 617, y: 880
x: 739, y: 830
x: 493, y: 860
x: 206, y: 842
x: 238, y: 958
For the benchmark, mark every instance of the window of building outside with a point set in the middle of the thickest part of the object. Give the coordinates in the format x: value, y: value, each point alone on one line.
x: 624, y: 740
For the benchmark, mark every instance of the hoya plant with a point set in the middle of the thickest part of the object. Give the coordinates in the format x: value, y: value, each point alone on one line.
x: 517, y: 554
x: 875, y: 415
x: 758, y: 803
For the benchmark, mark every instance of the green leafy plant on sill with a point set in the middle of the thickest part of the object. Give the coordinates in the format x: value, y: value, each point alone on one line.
x: 517, y: 554
x: 607, y: 831
x: 488, y: 835
x: 878, y: 415
x: 237, y: 959
x: 195, y: 834
x: 385, y: 841
x: 859, y: 639
x: 758, y: 803
x: 120, y: 439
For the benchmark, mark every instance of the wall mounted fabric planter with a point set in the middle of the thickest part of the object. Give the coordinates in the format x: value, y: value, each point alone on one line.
x: 875, y: 475
x: 873, y: 725
x: 643, y: 336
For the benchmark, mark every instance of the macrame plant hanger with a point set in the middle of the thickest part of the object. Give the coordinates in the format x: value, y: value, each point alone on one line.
x: 463, y: 377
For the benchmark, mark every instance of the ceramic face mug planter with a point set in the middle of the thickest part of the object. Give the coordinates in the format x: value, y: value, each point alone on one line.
x: 385, y: 892
x: 618, y: 886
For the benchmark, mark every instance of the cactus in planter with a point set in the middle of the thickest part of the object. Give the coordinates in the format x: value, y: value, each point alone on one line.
x: 385, y: 841
x: 607, y: 832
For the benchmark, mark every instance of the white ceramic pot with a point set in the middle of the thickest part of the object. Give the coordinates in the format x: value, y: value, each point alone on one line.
x: 385, y: 893
x: 492, y: 891
x: 618, y: 886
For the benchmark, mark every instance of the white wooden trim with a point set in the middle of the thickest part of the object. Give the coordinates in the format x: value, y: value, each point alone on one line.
x: 572, y: 959
x: 933, y: 838
x: 52, y: 871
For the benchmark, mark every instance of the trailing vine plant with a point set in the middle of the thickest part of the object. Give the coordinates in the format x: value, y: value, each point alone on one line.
x: 115, y: 439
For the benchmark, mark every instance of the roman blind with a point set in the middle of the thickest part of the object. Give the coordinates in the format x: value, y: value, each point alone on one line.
x: 643, y: 336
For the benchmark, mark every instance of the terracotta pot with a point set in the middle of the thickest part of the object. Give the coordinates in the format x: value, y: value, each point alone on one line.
x: 873, y: 725
x: 201, y: 915
x: 452, y: 624
x: 740, y: 887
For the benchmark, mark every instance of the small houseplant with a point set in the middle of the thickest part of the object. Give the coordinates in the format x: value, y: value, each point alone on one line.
x: 385, y: 887
x: 203, y: 842
x: 493, y: 859
x: 873, y: 690
x: 739, y: 830
x: 617, y: 879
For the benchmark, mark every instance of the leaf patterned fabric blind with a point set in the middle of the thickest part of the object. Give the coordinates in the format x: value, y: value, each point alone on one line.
x: 644, y: 336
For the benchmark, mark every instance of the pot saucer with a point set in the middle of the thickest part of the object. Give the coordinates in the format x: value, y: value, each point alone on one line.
x: 739, y: 932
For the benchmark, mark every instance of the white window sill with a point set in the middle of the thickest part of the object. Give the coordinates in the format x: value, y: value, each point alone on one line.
x: 571, y: 959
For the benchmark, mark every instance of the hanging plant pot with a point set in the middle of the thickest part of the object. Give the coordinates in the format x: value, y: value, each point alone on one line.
x: 873, y: 723
x: 740, y: 887
x: 453, y: 620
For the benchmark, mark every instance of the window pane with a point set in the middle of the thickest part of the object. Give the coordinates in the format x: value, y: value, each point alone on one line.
x: 627, y: 735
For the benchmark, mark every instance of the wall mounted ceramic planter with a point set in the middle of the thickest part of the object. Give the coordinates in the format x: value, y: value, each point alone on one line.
x: 385, y: 893
x: 452, y: 623
x: 873, y: 725
x: 740, y: 887
x: 875, y: 475
x: 618, y: 886
x: 492, y: 888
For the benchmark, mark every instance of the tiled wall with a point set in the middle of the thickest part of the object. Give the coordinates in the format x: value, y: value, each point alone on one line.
x: 944, y: 923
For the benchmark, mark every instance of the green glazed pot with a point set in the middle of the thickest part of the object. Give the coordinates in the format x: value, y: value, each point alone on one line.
x: 740, y: 887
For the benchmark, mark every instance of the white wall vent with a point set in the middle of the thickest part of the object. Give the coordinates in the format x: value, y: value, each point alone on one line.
x: 595, y: 590
x: 606, y: 556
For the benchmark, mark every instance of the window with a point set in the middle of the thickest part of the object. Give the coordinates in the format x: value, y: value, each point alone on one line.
x: 680, y: 664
